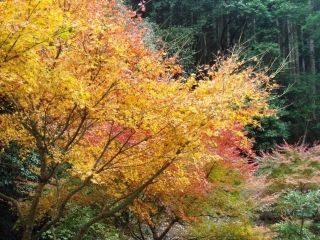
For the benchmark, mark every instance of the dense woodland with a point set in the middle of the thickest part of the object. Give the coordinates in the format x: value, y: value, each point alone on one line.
x: 159, y: 120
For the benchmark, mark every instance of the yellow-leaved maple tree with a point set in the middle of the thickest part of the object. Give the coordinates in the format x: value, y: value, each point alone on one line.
x: 89, y: 98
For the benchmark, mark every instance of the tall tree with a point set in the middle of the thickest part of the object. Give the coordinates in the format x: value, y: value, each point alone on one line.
x: 98, y: 108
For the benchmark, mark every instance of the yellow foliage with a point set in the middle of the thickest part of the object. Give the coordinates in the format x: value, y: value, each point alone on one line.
x: 87, y: 92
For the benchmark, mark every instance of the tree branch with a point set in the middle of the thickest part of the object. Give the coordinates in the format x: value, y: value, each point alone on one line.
x: 119, y: 205
x: 14, y: 202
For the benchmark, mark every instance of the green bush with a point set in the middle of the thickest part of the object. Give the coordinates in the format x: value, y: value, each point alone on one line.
x: 71, y: 223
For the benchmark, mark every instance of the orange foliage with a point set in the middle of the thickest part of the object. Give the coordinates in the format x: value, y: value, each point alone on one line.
x: 88, y: 93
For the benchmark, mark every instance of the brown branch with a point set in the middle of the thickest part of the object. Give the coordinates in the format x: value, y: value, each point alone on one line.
x: 31, y: 126
x: 10, y: 49
x: 66, y: 125
x: 121, y: 150
x: 163, y: 234
x: 5, y: 40
x: 62, y: 207
x: 105, y: 148
x: 140, y: 230
x: 133, y: 234
x: 75, y: 135
x: 167, y: 229
x: 119, y: 205
x: 7, y: 59
x: 15, y: 203
x: 106, y: 93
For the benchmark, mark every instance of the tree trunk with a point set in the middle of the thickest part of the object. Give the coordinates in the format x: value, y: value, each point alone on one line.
x: 228, y: 34
x: 303, y: 61
x: 291, y: 53
x: 284, y: 39
x: 312, y: 58
x: 296, y: 53
x: 30, y: 219
x: 254, y: 31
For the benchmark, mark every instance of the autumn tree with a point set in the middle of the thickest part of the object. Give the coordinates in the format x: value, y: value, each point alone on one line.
x: 99, y: 109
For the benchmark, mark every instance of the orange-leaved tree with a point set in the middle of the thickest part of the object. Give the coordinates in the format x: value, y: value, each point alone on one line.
x: 227, y: 96
x: 94, y: 104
